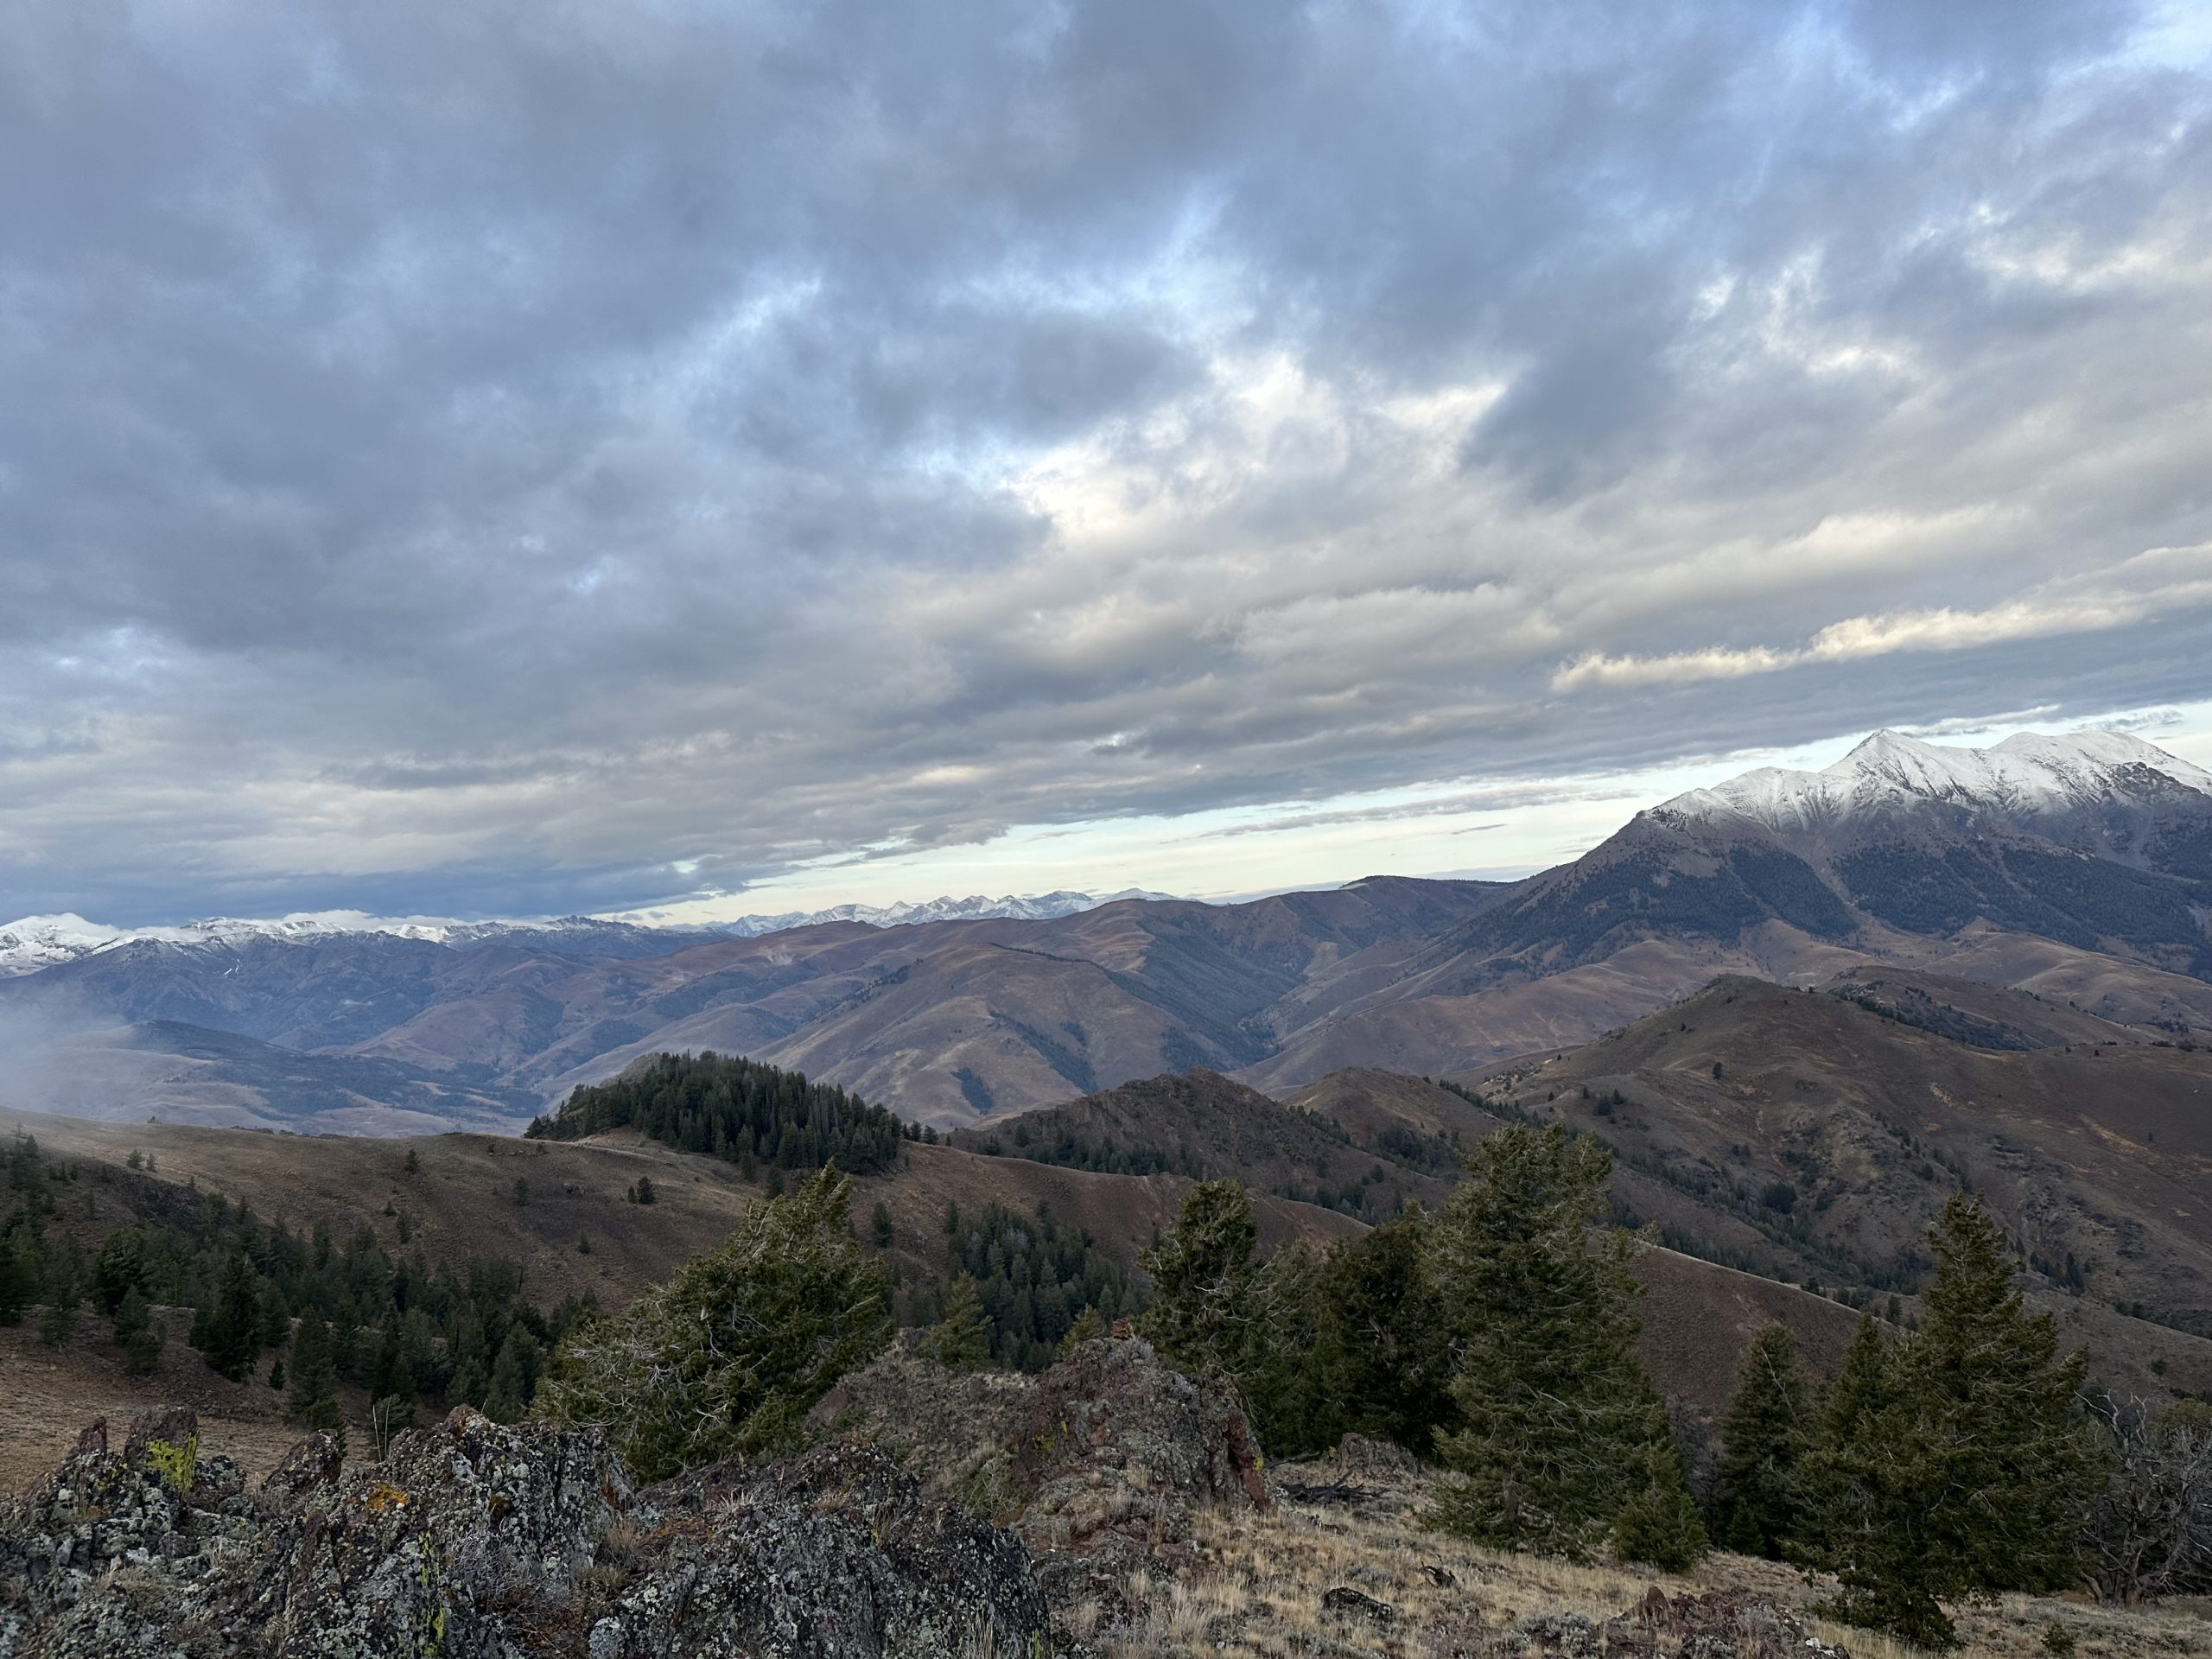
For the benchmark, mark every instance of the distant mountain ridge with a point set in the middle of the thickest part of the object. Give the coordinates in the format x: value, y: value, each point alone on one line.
x: 32, y: 943
x: 1043, y: 907
x: 2078, y: 867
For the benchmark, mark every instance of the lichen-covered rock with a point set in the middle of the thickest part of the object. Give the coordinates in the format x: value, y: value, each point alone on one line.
x: 1098, y: 1465
x: 837, y: 1552
x: 474, y: 1541
x: 315, y: 1461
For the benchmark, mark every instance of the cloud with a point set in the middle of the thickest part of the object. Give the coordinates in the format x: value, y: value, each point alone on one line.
x: 2071, y: 606
x: 462, y: 461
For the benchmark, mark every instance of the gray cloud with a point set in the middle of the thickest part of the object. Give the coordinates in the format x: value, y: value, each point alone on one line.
x: 463, y: 461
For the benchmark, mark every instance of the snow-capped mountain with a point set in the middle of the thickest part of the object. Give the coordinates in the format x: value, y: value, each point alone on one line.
x: 2101, y: 786
x: 41, y: 942
x: 36, y: 942
x: 1030, y: 908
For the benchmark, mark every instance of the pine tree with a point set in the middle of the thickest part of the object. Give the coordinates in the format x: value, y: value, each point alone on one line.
x: 1385, y: 1346
x: 390, y: 1377
x: 18, y: 1285
x: 312, y: 1391
x: 471, y: 1361
x: 232, y: 1340
x: 513, y: 1374
x: 133, y: 1315
x: 1281, y: 1377
x: 881, y: 1221
x: 1955, y: 1465
x: 1088, y: 1327
x: 1203, y: 1313
x: 961, y: 1338
x: 1565, y: 1442
x: 1760, y: 1508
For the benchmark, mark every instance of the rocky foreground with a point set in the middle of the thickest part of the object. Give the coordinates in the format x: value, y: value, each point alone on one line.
x: 957, y: 1515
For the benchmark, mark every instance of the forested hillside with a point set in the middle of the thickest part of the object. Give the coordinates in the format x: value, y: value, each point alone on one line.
x: 736, y: 1110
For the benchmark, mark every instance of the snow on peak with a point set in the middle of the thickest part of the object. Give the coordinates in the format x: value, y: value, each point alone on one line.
x: 2026, y: 775
x: 1041, y: 906
x: 37, y: 942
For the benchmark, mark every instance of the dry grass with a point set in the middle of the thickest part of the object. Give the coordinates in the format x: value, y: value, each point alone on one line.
x: 1257, y: 1587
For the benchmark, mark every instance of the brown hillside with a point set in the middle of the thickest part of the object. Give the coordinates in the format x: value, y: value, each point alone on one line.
x: 1205, y: 1125
x: 460, y: 1206
x: 1849, y: 1128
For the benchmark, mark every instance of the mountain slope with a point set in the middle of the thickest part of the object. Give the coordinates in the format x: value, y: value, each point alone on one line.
x: 1841, y: 1119
x: 2074, y: 866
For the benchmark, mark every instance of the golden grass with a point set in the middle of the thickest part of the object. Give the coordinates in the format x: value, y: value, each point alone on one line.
x: 1256, y: 1584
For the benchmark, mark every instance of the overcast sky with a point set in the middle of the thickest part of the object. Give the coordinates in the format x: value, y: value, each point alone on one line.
x: 492, y: 458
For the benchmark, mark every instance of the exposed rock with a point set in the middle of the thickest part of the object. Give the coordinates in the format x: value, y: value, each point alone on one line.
x: 172, y: 1426
x: 315, y: 1461
x: 1732, y: 1624
x: 1347, y: 1600
x: 1567, y: 1633
x: 1098, y: 1463
x: 473, y: 1540
x: 837, y: 1552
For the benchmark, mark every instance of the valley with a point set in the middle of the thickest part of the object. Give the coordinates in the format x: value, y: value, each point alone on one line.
x: 2069, y: 867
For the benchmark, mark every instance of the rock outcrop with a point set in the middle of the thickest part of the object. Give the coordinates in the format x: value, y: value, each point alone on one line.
x: 473, y: 1540
x: 1096, y: 1465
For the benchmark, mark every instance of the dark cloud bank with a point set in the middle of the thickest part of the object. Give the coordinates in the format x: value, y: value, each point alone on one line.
x: 479, y: 458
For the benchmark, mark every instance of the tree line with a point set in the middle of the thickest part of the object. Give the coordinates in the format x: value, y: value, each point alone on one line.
x: 742, y: 1111
x: 319, y: 1312
x: 1959, y: 1459
x: 1018, y: 1286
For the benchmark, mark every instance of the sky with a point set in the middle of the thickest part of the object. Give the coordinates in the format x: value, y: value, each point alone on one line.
x: 679, y: 459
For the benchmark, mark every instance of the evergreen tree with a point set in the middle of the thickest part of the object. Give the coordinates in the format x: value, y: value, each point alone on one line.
x: 232, y: 1336
x: 1956, y: 1464
x: 390, y: 1377
x: 1760, y: 1507
x: 961, y: 1339
x: 312, y: 1384
x: 1565, y: 1442
x: 1384, y: 1347
x: 17, y: 1280
x: 1203, y: 1313
x: 728, y: 1358
x: 120, y: 1268
x: 514, y: 1377
x: 880, y: 1222
x: 1032, y: 1274
x: 133, y: 1315
x: 1088, y: 1327
x: 1280, y: 1377
x: 471, y: 1361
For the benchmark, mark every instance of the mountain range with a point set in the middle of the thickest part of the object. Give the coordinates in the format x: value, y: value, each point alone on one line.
x: 34, y: 942
x: 2075, y: 867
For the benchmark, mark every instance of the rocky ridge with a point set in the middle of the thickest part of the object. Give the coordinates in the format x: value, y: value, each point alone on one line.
x: 476, y: 1541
